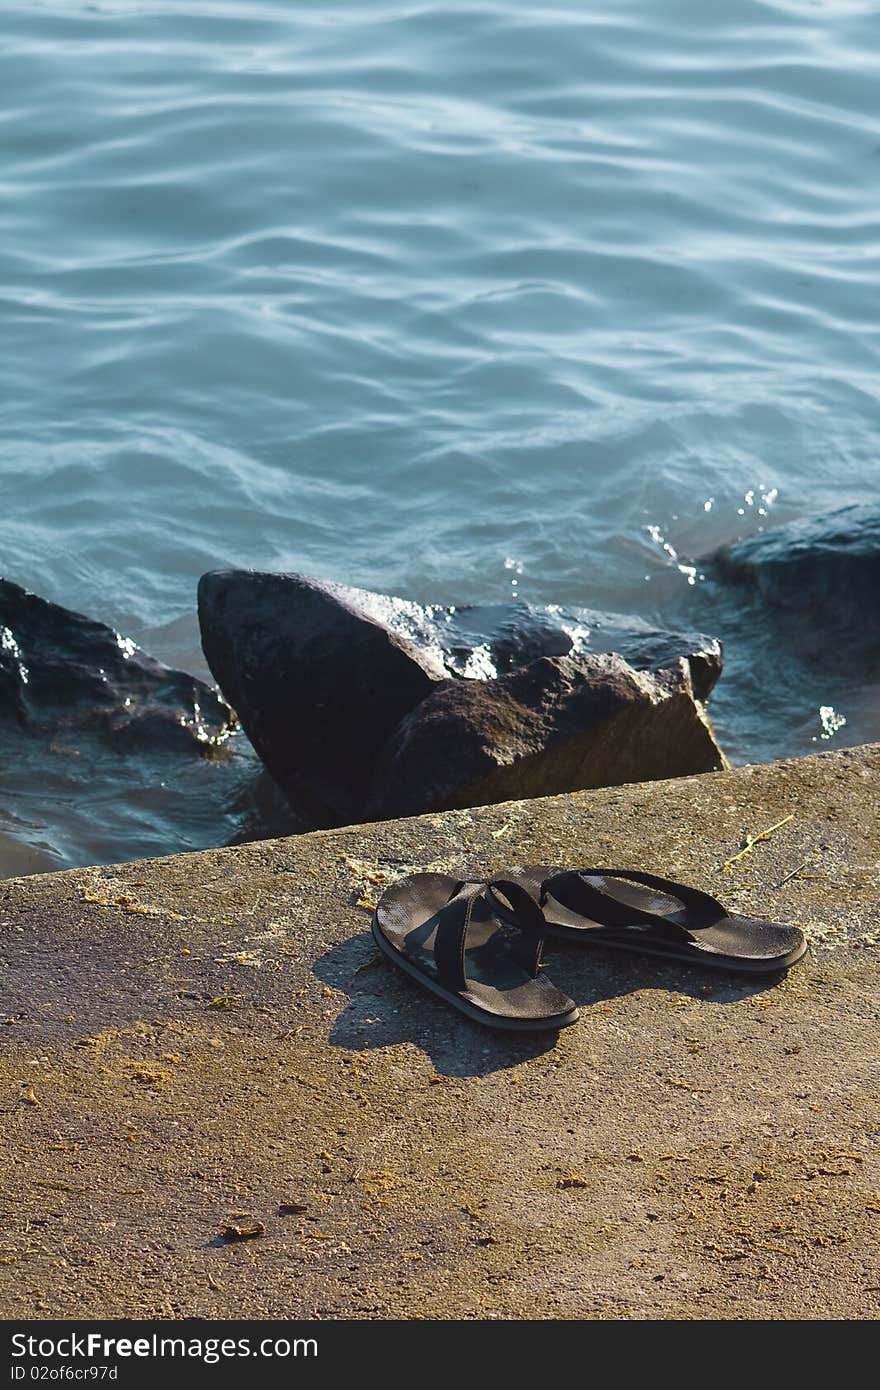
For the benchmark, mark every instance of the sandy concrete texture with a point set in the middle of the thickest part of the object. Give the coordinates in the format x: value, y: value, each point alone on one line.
x: 212, y: 1041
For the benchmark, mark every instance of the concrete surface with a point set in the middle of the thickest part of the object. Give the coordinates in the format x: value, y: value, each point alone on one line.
x: 213, y: 1038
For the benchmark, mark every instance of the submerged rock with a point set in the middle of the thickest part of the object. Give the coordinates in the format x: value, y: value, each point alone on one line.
x: 560, y: 724
x: 61, y: 673
x: 346, y: 694
x: 825, y: 570
x: 106, y: 754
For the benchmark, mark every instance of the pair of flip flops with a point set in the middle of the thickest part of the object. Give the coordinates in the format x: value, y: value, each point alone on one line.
x: 478, y: 943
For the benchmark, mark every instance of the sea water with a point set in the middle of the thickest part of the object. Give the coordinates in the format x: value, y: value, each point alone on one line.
x: 456, y: 301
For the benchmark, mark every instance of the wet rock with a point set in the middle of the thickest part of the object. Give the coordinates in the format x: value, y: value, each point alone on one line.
x: 647, y: 648
x: 559, y: 724
x: 106, y: 753
x: 321, y: 675
x: 822, y: 570
x: 62, y: 673
x: 485, y: 640
x: 318, y: 676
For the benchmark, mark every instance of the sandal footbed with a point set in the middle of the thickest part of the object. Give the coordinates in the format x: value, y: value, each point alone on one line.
x: 769, y: 946
x: 498, y: 991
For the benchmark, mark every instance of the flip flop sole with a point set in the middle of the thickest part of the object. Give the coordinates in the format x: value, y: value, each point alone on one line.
x: 490, y: 1020
x: 740, y: 965
x: 591, y: 937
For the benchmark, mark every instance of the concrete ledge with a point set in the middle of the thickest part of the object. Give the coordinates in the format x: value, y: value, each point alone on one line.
x: 187, y: 1039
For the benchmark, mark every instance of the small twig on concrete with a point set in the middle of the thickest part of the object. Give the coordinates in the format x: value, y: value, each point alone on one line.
x: 794, y: 873
x: 752, y: 840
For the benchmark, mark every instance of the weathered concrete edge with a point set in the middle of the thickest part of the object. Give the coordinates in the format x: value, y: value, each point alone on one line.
x: 693, y: 1148
x: 815, y: 770
x: 484, y: 838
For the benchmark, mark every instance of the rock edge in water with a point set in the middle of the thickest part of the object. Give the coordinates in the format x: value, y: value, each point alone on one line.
x: 823, y: 571
x: 359, y: 704
x: 560, y: 724
x: 61, y: 672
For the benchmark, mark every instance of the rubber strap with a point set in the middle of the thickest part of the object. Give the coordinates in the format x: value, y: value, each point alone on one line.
x: 454, y: 920
x: 528, y: 945
x: 452, y: 928
x: 573, y: 891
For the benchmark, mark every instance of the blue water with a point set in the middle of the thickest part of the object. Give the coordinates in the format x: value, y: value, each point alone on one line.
x: 448, y: 300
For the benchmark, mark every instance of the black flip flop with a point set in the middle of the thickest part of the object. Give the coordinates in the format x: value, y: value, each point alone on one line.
x: 476, y: 944
x: 642, y: 912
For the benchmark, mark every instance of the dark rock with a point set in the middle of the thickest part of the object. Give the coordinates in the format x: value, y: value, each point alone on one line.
x: 485, y: 640
x: 62, y: 673
x: 318, y: 676
x: 825, y: 570
x: 647, y: 648
x: 557, y: 725
x: 321, y: 674
x: 106, y: 754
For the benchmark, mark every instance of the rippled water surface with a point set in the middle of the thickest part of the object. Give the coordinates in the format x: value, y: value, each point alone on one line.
x: 449, y: 300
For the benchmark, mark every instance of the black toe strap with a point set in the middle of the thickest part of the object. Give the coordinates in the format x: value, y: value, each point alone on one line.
x: 528, y: 945
x: 574, y: 890
x: 453, y: 921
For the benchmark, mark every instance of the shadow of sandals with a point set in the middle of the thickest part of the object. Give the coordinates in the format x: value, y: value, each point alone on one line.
x: 387, y: 1008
